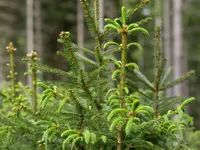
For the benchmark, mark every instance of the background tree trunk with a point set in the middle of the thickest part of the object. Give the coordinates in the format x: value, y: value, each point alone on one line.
x: 180, y: 59
x: 38, y: 28
x: 8, y: 18
x: 158, y: 13
x: 29, y: 29
x: 101, y: 15
x: 80, y: 24
x: 167, y: 38
x: 80, y: 27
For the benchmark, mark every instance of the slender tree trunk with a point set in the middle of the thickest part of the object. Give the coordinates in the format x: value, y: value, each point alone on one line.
x: 167, y: 38
x: 80, y: 27
x: 30, y: 25
x: 7, y: 30
x: 180, y: 61
x: 29, y: 30
x: 158, y: 13
x: 80, y: 24
x: 101, y: 15
x: 38, y: 28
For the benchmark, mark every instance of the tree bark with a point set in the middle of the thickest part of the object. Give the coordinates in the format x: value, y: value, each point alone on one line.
x: 167, y: 39
x: 158, y: 13
x: 29, y: 30
x: 80, y: 24
x: 7, y: 30
x: 38, y: 28
x: 80, y: 28
x: 180, y: 60
x: 101, y: 15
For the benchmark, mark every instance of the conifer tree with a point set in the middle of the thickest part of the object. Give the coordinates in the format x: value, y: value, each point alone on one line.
x: 86, y: 111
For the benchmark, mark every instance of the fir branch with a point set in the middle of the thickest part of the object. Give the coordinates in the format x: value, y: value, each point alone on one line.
x: 143, y: 79
x: 166, y: 76
x: 179, y: 80
x: 85, y: 87
x: 99, y: 60
x: 85, y: 50
x: 49, y: 69
x: 79, y: 106
x: 157, y: 58
x: 111, y: 51
x: 157, y: 71
x: 122, y: 74
x: 143, y: 21
x: 135, y: 87
x: 124, y: 35
x: 85, y: 59
x: 33, y: 57
x: 11, y: 49
x: 68, y: 48
x: 142, y: 3
x: 3, y: 95
x: 161, y: 69
x: 90, y: 18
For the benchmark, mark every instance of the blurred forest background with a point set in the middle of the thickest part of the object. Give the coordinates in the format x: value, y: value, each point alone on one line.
x: 35, y: 25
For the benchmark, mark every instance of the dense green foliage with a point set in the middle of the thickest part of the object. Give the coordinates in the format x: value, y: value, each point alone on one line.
x: 96, y: 106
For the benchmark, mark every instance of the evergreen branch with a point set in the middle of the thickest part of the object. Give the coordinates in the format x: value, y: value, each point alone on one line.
x: 179, y: 80
x: 111, y: 51
x: 86, y: 88
x: 90, y: 17
x: 3, y: 95
x: 113, y: 60
x: 101, y: 82
x: 99, y: 59
x: 69, y: 113
x: 166, y: 76
x: 135, y: 44
x: 124, y: 35
x: 135, y: 87
x: 11, y: 49
x: 79, y: 106
x: 68, y: 48
x: 157, y: 58
x: 85, y: 50
x: 111, y: 43
x: 113, y: 22
x: 143, y: 79
x: 141, y: 144
x: 63, y: 54
x: 34, y: 88
x: 142, y: 3
x: 33, y: 57
x: 49, y: 69
x: 170, y: 100
x: 143, y: 21
x: 158, y: 71
x: 161, y: 69
x: 81, y: 115
x: 186, y: 102
x: 123, y: 66
x: 96, y: 13
x: 87, y: 60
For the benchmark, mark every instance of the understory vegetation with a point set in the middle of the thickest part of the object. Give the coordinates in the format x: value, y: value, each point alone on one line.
x: 102, y: 102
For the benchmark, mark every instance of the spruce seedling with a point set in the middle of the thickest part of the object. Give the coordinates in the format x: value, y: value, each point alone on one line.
x: 122, y: 28
x: 33, y: 72
x: 83, y: 112
x: 11, y: 49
